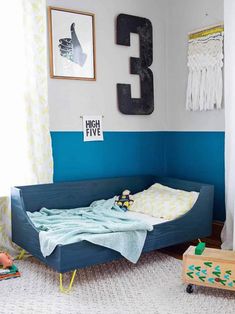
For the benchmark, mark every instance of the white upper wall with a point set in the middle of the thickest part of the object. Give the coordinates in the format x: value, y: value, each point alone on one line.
x: 185, y: 16
x: 69, y: 99
x: 172, y: 20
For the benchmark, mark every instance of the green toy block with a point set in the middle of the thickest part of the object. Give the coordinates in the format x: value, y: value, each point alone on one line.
x: 200, y: 248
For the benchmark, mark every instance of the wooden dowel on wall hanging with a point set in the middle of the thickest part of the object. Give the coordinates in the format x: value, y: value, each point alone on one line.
x: 219, y: 28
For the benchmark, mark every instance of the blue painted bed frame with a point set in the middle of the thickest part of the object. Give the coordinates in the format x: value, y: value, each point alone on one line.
x: 194, y: 224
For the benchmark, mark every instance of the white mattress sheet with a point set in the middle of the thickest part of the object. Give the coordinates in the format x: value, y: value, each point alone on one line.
x: 147, y: 218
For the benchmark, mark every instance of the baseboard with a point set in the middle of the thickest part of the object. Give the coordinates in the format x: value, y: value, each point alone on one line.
x: 215, y: 240
x: 216, y: 229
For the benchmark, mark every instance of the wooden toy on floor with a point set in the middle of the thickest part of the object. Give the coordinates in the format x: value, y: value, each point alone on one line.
x: 208, y: 267
x: 9, y: 273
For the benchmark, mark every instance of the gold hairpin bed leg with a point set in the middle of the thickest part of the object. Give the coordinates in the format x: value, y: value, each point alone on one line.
x: 62, y: 289
x: 21, y: 255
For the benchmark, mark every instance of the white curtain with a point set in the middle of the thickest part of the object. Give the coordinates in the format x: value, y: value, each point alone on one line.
x: 228, y: 235
x: 26, y: 155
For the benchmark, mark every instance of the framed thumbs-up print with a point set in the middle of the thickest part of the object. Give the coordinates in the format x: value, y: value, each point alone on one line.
x: 72, y: 44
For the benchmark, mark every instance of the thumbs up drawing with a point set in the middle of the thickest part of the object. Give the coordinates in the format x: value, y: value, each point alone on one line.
x: 71, y: 48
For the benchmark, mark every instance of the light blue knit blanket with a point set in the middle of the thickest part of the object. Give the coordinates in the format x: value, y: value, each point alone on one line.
x: 102, y: 223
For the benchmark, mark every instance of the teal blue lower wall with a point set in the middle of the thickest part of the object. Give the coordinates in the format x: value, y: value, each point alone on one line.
x: 195, y: 156
x: 198, y: 156
x: 120, y: 154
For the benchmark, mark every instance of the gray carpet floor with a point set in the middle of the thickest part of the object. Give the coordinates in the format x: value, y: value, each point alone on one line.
x: 152, y: 286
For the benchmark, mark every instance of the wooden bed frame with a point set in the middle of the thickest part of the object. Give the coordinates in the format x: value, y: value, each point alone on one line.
x: 192, y: 225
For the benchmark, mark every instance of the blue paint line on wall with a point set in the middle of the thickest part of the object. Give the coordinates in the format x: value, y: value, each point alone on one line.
x: 195, y: 156
x: 120, y: 154
x: 198, y: 156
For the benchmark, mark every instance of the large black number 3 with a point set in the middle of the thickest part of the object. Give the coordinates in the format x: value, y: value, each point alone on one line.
x: 127, y: 24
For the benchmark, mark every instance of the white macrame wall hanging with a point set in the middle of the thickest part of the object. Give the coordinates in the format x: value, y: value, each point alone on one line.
x: 205, y: 63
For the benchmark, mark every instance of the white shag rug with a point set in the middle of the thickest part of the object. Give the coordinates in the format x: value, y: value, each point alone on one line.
x: 152, y: 286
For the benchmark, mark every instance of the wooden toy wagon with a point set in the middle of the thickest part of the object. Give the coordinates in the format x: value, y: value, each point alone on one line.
x: 210, y: 267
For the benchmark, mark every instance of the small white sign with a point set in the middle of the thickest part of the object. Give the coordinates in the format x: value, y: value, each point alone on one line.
x: 92, y: 128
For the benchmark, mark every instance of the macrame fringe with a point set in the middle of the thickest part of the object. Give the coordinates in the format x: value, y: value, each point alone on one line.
x: 205, y: 82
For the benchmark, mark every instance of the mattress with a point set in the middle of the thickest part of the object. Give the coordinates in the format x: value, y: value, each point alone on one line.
x: 147, y: 218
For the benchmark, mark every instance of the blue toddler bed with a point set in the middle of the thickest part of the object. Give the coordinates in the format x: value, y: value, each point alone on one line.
x: 192, y: 225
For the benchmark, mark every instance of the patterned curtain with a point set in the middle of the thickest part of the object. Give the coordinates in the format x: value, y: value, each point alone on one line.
x: 24, y: 131
x: 5, y: 227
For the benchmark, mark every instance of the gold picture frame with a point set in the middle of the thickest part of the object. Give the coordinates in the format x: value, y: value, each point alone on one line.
x: 72, y: 44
